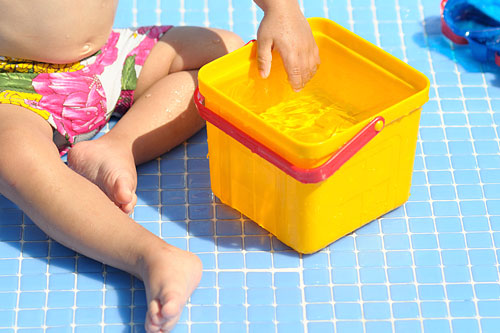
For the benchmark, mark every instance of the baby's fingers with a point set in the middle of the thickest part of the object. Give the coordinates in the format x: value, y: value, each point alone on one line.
x: 298, y: 71
x: 307, y: 64
x: 296, y: 79
x: 264, y: 56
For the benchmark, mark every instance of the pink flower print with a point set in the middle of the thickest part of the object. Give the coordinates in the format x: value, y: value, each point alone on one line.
x: 76, y: 101
x: 106, y: 57
x: 153, y: 31
x: 152, y: 34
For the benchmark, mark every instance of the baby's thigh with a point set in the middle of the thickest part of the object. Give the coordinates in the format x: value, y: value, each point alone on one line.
x: 196, y: 46
x: 26, y: 148
x: 186, y: 48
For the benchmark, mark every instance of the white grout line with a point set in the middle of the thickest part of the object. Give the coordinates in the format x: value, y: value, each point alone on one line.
x: 425, y: 170
x: 378, y: 221
x: 411, y: 249
x: 134, y: 15
x: 255, y: 23
x: 358, y: 284
x: 158, y: 12
x: 182, y: 10
x: 19, y: 274
x: 47, y: 276
x: 206, y: 10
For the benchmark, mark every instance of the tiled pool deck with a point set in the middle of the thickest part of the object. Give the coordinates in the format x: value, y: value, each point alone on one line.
x: 431, y: 265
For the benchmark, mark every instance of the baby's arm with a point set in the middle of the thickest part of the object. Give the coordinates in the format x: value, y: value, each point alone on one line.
x: 285, y: 29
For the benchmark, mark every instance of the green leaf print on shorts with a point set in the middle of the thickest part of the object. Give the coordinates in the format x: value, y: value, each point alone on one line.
x: 129, y: 75
x: 17, y: 82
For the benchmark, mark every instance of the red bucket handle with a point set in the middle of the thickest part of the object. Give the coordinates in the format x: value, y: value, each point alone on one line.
x: 304, y: 175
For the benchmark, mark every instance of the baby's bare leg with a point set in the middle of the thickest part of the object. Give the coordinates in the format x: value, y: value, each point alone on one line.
x: 76, y: 213
x: 163, y: 114
x: 165, y: 89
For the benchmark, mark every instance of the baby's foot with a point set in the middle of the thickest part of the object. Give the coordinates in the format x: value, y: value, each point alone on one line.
x: 170, y: 276
x: 110, y: 167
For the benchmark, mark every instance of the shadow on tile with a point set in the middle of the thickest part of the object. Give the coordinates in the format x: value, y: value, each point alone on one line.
x: 441, y: 48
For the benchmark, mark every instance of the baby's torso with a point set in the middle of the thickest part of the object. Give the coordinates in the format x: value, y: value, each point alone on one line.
x: 54, y: 31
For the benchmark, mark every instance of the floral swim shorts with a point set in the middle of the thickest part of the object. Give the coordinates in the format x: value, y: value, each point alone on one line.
x: 78, y: 99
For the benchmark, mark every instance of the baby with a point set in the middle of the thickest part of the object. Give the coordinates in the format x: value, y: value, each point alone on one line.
x: 63, y: 72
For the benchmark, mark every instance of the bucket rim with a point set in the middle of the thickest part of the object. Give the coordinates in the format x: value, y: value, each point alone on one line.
x: 303, y: 175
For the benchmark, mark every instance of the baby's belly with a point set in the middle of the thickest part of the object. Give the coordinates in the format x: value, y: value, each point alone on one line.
x: 56, y: 51
x: 55, y: 31
x: 51, y: 49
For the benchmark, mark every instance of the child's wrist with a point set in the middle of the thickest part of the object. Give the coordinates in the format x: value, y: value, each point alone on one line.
x: 270, y: 5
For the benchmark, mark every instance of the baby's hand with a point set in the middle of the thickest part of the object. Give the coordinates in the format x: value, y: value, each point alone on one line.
x: 285, y: 28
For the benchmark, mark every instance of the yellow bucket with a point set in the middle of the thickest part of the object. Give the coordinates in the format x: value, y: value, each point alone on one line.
x: 312, y: 166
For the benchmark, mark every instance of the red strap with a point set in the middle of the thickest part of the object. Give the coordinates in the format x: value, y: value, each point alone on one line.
x: 445, y: 29
x: 313, y: 175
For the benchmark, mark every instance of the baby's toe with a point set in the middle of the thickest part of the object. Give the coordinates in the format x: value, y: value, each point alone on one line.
x: 129, y: 207
x: 123, y: 190
x: 153, y: 318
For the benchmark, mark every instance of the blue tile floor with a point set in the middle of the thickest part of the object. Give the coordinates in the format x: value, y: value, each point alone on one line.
x: 431, y: 265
